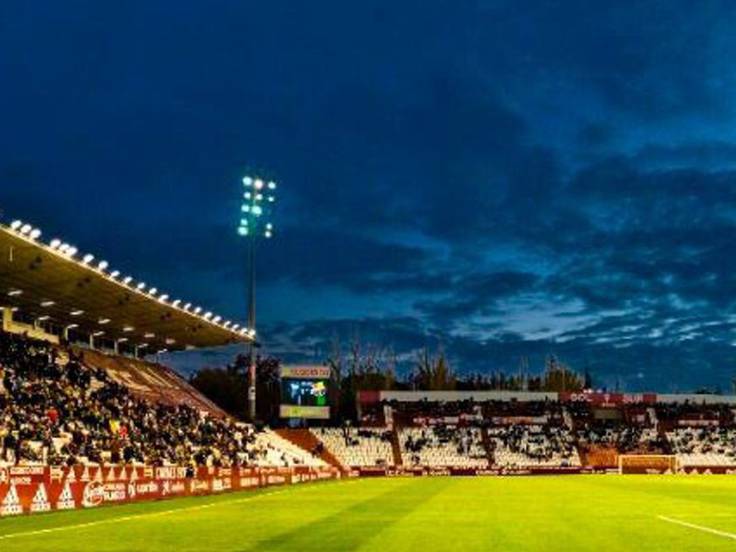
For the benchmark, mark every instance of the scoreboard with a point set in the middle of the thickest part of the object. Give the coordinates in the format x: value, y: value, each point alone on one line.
x: 304, y: 392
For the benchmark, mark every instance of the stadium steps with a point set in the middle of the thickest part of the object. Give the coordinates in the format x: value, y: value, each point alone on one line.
x: 486, y: 440
x: 149, y: 381
x: 396, y: 447
x: 306, y: 440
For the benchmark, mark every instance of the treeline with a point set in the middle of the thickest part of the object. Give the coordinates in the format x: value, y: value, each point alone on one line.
x: 370, y: 368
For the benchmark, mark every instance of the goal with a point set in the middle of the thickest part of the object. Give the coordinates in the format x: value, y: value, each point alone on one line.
x: 647, y: 463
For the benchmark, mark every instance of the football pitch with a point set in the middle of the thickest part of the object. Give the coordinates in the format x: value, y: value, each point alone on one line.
x: 672, y: 513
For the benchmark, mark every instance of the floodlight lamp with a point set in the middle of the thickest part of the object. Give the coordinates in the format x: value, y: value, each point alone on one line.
x: 102, y: 265
x: 272, y: 185
x: 153, y: 291
x: 141, y: 286
x: 114, y: 274
x: 88, y: 258
x: 257, y: 210
x: 245, y: 208
x: 71, y: 251
x: 127, y: 280
x: 35, y: 233
x: 258, y: 184
x: 247, y: 181
x: 55, y: 243
x: 16, y: 224
x: 242, y: 230
x: 25, y: 228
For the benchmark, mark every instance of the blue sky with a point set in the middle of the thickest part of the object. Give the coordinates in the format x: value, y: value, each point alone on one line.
x: 503, y: 179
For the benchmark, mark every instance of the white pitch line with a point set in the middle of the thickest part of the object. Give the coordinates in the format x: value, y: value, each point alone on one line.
x: 702, y: 528
x: 156, y: 514
x: 136, y: 516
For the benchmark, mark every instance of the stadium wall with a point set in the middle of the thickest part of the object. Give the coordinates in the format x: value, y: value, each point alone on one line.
x: 38, y: 489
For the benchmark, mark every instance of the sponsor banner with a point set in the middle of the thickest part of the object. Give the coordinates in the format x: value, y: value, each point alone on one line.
x: 519, y: 420
x: 461, y: 471
x: 305, y: 372
x: 697, y: 423
x: 35, y: 489
x: 609, y: 399
x: 294, y: 411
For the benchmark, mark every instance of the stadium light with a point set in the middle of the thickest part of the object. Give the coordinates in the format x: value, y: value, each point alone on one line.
x: 127, y: 280
x: 16, y: 224
x: 35, y: 234
x: 255, y: 210
x: 48, y: 303
x: 128, y: 328
x: 25, y: 229
x: 114, y: 274
x: 77, y: 312
x: 103, y: 321
x: 141, y: 286
x: 55, y: 243
x: 72, y: 326
x: 15, y: 292
x: 102, y: 265
x: 43, y: 318
x: 88, y: 258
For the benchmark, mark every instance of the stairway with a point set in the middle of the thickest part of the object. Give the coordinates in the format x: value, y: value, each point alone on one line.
x: 486, y: 440
x: 305, y: 439
x: 396, y: 447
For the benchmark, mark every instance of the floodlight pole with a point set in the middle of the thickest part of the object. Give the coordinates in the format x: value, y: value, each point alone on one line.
x: 258, y: 197
x: 252, y: 326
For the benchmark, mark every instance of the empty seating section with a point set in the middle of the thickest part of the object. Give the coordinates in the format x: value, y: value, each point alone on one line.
x: 277, y: 451
x: 443, y: 446
x: 358, y: 447
x: 533, y: 445
x: 704, y: 446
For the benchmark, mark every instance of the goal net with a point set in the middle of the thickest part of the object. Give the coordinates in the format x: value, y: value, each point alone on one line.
x: 647, y: 463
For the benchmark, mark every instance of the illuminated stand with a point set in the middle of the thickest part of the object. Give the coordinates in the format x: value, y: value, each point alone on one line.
x: 258, y: 198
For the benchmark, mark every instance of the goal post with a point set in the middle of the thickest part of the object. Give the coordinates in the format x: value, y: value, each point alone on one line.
x: 647, y: 463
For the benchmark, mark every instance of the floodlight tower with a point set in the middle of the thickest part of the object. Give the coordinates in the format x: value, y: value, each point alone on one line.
x: 258, y: 199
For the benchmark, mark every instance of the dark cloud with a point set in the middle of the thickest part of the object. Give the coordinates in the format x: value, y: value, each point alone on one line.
x: 475, y: 174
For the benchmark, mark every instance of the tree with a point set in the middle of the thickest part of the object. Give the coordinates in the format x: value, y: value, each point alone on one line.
x: 228, y: 387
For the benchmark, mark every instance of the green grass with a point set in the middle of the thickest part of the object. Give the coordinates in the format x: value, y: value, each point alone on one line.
x: 564, y: 513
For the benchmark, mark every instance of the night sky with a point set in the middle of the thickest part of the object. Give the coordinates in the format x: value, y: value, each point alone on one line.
x: 497, y: 178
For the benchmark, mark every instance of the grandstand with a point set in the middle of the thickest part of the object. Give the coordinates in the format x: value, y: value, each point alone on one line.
x: 87, y: 417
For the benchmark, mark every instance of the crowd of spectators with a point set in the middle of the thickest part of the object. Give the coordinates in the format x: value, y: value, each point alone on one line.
x: 55, y: 409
